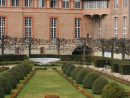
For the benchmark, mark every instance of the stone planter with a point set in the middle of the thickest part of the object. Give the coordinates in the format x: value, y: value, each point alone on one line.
x: 52, y: 96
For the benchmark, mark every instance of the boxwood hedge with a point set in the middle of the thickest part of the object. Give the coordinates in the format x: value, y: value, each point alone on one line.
x: 98, y: 85
x: 81, y: 74
x: 89, y: 80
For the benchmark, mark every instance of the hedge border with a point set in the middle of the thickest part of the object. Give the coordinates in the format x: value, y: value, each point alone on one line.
x: 112, y: 77
x: 20, y: 88
x: 3, y: 69
x: 77, y: 86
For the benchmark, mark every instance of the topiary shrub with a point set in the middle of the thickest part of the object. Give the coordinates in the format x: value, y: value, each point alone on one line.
x: 5, y: 84
x: 89, y: 80
x: 1, y: 91
x: 10, y: 78
x: 69, y: 70
x: 98, y: 85
x: 75, y: 71
x: 113, y: 90
x: 81, y: 74
x: 65, y: 67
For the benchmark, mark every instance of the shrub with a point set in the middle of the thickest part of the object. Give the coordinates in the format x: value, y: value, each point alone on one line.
x: 81, y: 74
x: 100, y: 63
x: 89, y: 80
x: 11, y: 79
x: 69, y: 70
x: 5, y: 84
x: 1, y: 91
x: 65, y: 67
x: 98, y: 85
x: 113, y: 90
x: 75, y: 71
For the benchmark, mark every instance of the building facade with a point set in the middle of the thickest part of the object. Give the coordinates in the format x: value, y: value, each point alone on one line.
x: 49, y: 19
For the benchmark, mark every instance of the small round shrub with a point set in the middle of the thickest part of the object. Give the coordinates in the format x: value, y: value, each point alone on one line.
x: 89, y: 80
x: 98, y: 85
x: 15, y: 74
x: 75, y: 71
x: 5, y: 84
x: 113, y: 90
x: 1, y: 91
x: 65, y: 67
x: 10, y: 78
x: 81, y: 74
x: 69, y: 70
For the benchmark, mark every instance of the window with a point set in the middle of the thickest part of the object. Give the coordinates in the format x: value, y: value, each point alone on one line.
x: 116, y: 26
x: 77, y: 27
x: 2, y: 26
x: 42, y: 3
x: 53, y: 27
x: 116, y: 2
x: 28, y: 3
x: 28, y: 27
x: 124, y: 26
x: 2, y: 3
x: 99, y: 27
x: 95, y: 4
x: 15, y: 2
x: 65, y: 3
x: 54, y: 4
x: 125, y: 3
x: 77, y: 3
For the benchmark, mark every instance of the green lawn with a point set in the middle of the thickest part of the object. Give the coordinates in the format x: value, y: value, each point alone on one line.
x: 49, y: 82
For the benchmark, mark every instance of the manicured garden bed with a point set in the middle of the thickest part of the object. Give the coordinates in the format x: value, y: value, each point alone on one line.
x: 49, y: 82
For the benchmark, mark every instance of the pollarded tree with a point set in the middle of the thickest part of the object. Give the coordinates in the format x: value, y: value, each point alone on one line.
x: 102, y: 44
x: 111, y: 46
x: 123, y: 46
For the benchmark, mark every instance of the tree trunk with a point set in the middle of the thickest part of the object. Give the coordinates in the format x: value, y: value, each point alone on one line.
x: 123, y: 55
x: 102, y: 53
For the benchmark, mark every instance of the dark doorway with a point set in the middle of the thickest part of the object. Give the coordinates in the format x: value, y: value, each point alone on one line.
x: 79, y: 50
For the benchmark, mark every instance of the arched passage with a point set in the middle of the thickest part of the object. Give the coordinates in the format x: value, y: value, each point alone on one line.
x: 80, y: 50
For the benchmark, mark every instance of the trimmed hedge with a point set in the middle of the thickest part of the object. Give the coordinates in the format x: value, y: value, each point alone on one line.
x: 10, y: 78
x: 113, y: 90
x: 69, y: 70
x: 75, y: 71
x: 81, y: 74
x: 6, y: 85
x: 12, y: 57
x: 98, y: 85
x: 115, y: 65
x: 124, y: 67
x: 89, y: 80
x: 102, y: 62
x: 1, y: 91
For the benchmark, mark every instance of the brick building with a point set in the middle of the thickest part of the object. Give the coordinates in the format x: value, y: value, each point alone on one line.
x: 49, y: 19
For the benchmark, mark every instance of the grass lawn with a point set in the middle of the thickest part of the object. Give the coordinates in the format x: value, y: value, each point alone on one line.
x: 49, y: 82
